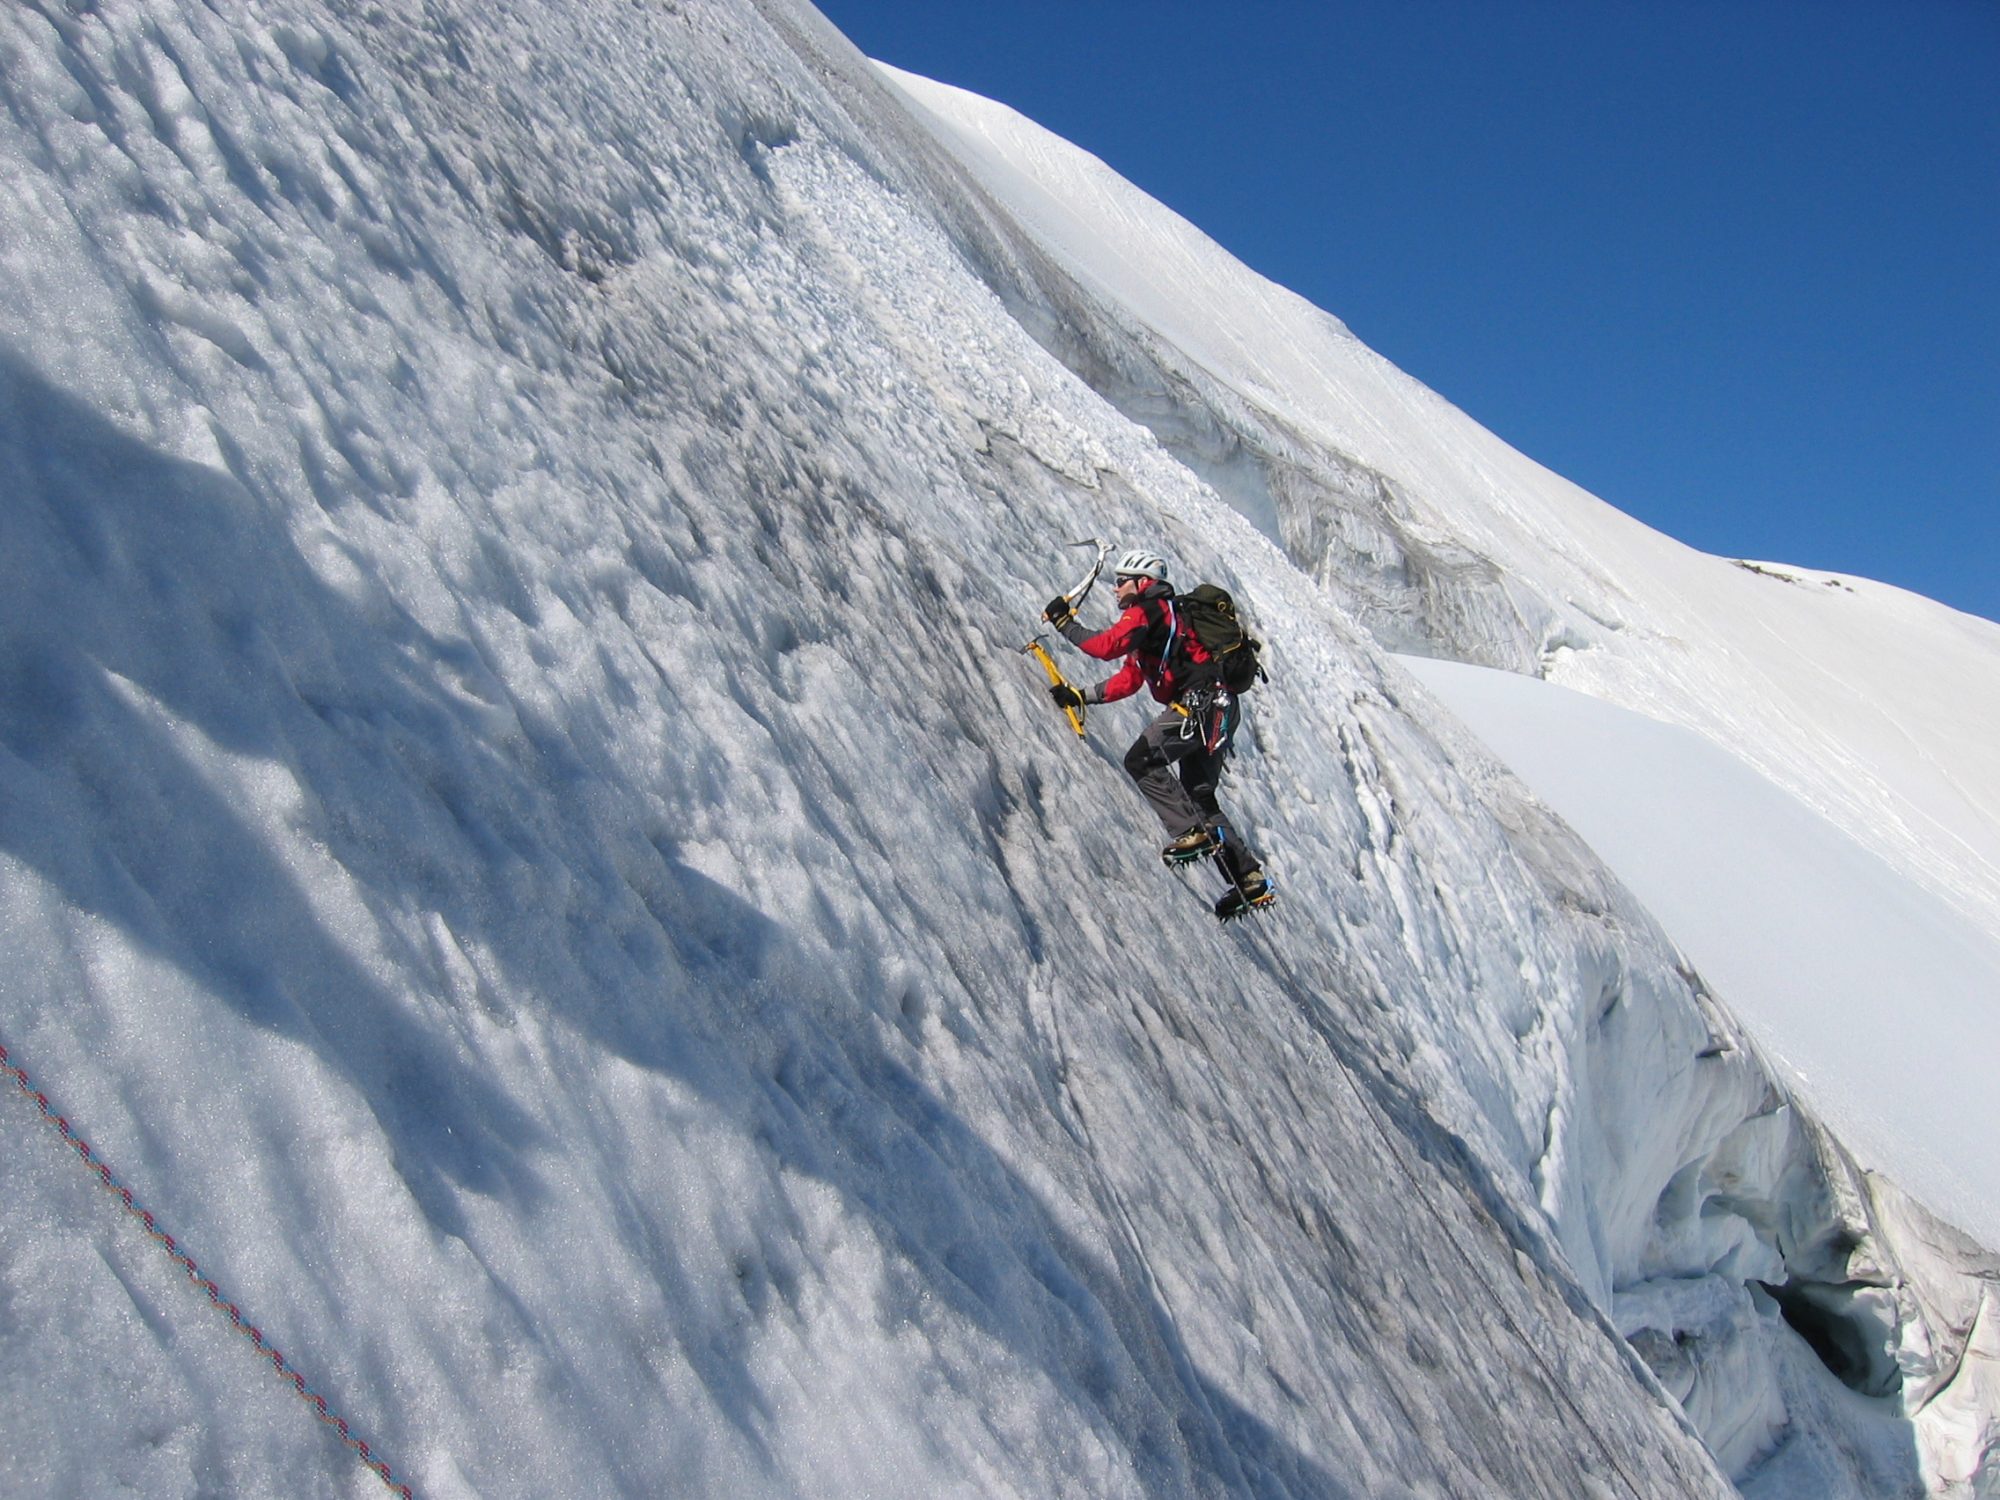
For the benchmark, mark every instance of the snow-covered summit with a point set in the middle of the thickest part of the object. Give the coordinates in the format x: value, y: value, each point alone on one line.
x: 527, y: 846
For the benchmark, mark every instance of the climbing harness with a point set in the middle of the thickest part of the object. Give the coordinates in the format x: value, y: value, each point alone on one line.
x: 1214, y: 710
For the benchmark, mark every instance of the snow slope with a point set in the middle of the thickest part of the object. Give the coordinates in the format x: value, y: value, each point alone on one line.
x: 527, y: 846
x: 1875, y: 999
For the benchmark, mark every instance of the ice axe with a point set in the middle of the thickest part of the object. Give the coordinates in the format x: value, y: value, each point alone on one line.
x: 1077, y: 595
x: 1036, y: 649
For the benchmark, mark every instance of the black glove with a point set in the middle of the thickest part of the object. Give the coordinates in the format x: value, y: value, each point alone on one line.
x: 1067, y: 696
x: 1060, y: 610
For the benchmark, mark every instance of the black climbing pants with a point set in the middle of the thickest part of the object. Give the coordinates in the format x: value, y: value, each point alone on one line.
x: 1177, y: 774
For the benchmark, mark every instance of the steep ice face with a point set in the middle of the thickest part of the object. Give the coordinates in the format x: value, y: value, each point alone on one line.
x: 525, y: 838
x: 1850, y: 696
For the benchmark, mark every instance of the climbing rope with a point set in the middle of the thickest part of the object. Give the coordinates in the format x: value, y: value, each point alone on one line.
x: 186, y: 1262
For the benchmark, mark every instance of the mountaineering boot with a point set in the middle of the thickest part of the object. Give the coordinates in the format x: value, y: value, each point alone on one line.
x: 1190, y: 847
x: 1250, y: 892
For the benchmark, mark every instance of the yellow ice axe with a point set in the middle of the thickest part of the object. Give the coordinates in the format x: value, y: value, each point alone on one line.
x: 1036, y: 649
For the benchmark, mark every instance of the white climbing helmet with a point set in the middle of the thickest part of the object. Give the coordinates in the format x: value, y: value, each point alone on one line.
x: 1139, y: 563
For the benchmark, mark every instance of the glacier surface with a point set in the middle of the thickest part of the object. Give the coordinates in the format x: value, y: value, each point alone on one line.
x: 528, y: 848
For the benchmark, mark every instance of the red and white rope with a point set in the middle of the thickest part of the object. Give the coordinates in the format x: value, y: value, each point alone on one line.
x: 186, y: 1262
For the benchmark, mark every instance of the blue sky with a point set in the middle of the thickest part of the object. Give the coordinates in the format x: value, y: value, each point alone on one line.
x: 1732, y: 265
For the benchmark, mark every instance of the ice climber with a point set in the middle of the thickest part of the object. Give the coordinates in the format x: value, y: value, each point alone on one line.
x: 1191, y: 734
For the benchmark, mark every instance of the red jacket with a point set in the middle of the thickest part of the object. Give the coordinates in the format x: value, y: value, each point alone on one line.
x: 1148, y: 635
